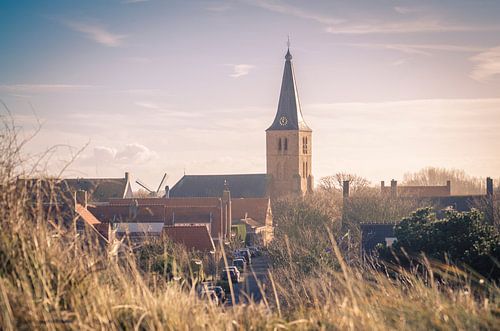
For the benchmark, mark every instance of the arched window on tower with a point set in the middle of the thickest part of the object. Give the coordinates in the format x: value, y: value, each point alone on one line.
x: 279, y: 144
x: 304, y: 145
x: 286, y: 144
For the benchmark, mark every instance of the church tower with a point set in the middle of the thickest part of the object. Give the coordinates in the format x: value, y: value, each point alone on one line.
x: 289, y: 142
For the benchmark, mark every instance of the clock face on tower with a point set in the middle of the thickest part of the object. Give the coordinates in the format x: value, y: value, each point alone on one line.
x: 283, y: 120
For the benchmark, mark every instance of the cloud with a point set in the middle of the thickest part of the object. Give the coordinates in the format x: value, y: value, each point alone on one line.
x: 406, y: 10
x: 415, y: 26
x: 165, y: 110
x: 97, y: 33
x: 42, y: 87
x: 421, y: 49
x: 241, y: 70
x: 486, y: 64
x: 133, y: 153
x: 138, y: 59
x: 148, y: 105
x: 283, y: 8
x: 399, y: 62
x: 104, y: 154
x: 337, y: 25
x: 223, y: 7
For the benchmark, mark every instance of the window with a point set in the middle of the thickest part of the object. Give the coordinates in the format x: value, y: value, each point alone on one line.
x: 279, y: 144
x: 286, y: 144
x: 304, y: 145
x: 304, y: 169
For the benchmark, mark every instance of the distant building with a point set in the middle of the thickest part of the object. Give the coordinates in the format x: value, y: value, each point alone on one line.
x: 423, y: 191
x: 194, y: 238
x: 99, y: 189
x: 373, y: 234
x: 149, y: 216
x: 289, y: 142
x: 241, y: 186
x: 256, y: 214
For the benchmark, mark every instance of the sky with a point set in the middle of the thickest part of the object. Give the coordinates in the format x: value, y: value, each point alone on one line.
x: 152, y: 86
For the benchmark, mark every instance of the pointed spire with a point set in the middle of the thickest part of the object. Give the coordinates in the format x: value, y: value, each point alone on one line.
x: 288, y: 55
x: 289, y: 114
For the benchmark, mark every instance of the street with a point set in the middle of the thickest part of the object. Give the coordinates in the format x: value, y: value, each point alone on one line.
x: 254, y: 274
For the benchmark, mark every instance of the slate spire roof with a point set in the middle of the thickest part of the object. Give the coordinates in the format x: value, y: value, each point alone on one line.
x: 289, y: 114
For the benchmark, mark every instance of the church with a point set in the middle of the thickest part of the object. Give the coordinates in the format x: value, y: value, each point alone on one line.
x: 288, y: 156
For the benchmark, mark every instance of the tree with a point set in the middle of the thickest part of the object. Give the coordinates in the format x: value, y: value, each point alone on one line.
x: 460, y: 237
x: 301, y: 236
x: 335, y: 183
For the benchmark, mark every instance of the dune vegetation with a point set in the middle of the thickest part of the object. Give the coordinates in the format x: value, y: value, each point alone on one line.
x: 52, y: 278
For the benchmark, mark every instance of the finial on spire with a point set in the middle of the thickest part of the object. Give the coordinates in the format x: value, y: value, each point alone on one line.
x: 288, y: 55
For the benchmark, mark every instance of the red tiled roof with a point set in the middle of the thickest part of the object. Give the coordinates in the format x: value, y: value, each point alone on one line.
x: 86, y: 215
x: 180, y: 210
x: 149, y: 213
x: 254, y: 208
x: 184, y: 214
x: 170, y: 202
x: 193, y: 237
x: 100, y: 227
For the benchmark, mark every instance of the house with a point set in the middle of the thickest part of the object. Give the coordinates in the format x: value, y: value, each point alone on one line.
x: 99, y: 190
x: 140, y: 216
x: 256, y: 214
x: 373, y: 234
x: 194, y: 238
x: 61, y: 192
x: 86, y: 222
x: 424, y: 191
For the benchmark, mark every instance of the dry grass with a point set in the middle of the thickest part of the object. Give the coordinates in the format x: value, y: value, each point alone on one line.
x: 52, y: 279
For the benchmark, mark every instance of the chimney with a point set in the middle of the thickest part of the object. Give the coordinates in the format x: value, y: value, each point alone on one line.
x: 448, y: 186
x: 489, y: 186
x: 394, y: 188
x: 127, y: 176
x: 228, y: 215
x: 345, y: 189
x: 81, y: 198
x: 167, y: 192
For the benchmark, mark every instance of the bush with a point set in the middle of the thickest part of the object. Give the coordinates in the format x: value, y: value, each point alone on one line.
x: 460, y: 237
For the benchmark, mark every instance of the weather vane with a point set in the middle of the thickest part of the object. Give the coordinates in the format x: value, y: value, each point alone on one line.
x: 288, y: 41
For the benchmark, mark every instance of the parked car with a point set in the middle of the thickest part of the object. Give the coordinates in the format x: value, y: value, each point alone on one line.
x: 219, y: 291
x: 238, y: 255
x: 210, y: 295
x: 232, y: 267
x: 254, y: 251
x: 246, y: 253
x: 204, y: 286
x: 240, y: 264
x: 233, y: 274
